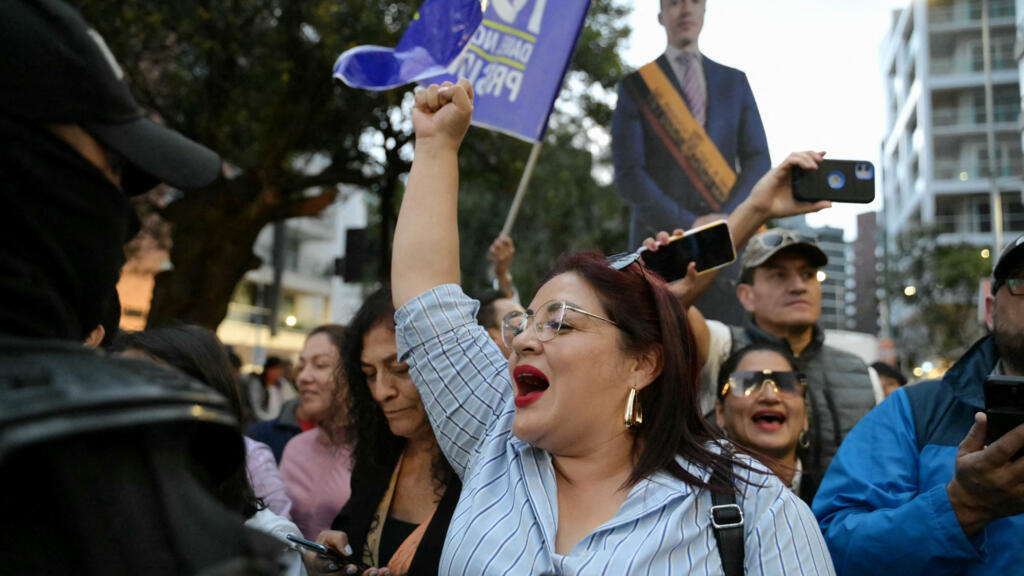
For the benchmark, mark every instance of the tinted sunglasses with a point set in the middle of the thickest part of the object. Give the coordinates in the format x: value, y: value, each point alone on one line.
x: 746, y: 382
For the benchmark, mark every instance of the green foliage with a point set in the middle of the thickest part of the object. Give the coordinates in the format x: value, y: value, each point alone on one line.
x: 565, y: 210
x: 939, y: 321
x: 252, y: 80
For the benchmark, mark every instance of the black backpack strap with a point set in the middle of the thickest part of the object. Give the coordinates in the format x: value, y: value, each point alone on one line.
x: 727, y: 522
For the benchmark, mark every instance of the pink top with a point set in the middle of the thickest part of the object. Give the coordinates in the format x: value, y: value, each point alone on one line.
x: 265, y: 478
x: 317, y: 477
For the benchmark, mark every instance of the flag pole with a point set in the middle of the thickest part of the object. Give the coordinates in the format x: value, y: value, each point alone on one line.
x: 510, y: 220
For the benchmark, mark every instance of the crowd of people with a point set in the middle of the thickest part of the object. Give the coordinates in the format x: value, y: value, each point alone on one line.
x: 607, y: 427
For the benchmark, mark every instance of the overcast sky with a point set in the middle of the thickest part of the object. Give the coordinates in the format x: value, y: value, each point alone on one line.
x: 813, y: 66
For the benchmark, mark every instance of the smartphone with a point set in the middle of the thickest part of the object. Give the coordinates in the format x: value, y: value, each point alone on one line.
x: 328, y: 553
x: 710, y: 246
x: 836, y: 180
x: 1004, y: 406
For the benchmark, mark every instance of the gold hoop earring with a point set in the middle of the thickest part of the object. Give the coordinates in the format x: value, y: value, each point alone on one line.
x: 803, y: 440
x: 634, y: 413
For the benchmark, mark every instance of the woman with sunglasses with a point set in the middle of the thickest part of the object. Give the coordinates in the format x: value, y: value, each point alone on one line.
x: 762, y: 406
x: 584, y: 452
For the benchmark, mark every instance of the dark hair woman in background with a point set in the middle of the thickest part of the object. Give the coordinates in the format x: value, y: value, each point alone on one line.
x: 316, y: 465
x: 403, y: 489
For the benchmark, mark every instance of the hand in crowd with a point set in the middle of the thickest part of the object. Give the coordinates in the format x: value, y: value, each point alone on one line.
x: 500, y: 253
x: 335, y: 540
x: 442, y: 114
x: 708, y: 219
x: 685, y: 289
x: 772, y: 196
x: 987, y: 485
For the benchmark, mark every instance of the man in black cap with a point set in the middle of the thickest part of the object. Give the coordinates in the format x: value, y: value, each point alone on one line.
x: 914, y: 488
x: 74, y: 146
x: 109, y: 465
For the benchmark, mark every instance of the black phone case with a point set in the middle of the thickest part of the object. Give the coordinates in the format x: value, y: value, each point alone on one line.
x: 813, y: 185
x: 670, y: 261
x: 1004, y: 407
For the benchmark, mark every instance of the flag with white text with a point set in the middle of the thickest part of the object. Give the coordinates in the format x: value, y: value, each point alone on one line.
x: 516, y: 61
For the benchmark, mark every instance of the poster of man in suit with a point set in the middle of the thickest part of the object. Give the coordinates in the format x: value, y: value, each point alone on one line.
x: 687, y: 143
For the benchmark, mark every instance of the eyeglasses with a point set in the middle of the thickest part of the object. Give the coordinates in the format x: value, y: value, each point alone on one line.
x: 772, y: 239
x: 549, y: 321
x: 1014, y: 285
x: 746, y: 382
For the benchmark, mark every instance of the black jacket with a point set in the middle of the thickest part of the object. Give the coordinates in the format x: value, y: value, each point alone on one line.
x: 369, y: 484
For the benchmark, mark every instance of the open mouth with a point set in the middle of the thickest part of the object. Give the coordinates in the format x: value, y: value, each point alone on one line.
x: 769, y: 420
x: 531, y: 383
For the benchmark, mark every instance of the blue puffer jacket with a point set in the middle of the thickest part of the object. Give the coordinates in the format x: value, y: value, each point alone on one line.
x: 883, y: 506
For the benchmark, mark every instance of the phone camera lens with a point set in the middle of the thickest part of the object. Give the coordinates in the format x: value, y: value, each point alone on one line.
x: 836, y: 180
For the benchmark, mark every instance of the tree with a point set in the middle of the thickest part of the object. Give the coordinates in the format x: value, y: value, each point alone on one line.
x: 940, y: 310
x: 250, y: 78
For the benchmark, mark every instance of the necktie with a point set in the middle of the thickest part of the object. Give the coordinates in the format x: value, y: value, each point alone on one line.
x: 693, y: 92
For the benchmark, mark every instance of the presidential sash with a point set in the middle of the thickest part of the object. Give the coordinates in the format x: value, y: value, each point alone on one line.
x: 666, y: 113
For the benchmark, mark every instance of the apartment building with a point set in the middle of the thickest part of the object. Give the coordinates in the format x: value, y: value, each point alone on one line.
x: 935, y: 168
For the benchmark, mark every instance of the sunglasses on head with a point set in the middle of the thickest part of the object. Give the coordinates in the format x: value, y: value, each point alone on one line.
x: 746, y: 382
x: 771, y: 239
x: 622, y: 260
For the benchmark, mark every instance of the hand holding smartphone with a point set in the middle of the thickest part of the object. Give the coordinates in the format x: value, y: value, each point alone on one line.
x: 328, y: 553
x: 710, y: 246
x: 1004, y: 407
x: 836, y: 180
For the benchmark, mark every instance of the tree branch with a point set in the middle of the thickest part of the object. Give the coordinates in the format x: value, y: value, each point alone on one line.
x: 330, y: 176
x: 313, y: 205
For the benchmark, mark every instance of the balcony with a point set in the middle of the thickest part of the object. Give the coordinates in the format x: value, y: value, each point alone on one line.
x: 949, y: 121
x: 967, y: 15
x: 976, y: 224
x: 967, y: 171
x: 961, y: 66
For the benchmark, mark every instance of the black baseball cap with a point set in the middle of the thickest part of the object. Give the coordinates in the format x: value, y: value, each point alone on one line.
x: 56, y: 69
x: 1010, y: 260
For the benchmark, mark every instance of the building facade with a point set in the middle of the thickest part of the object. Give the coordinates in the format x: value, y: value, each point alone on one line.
x: 935, y: 168
x: 312, y: 293
x: 866, y: 274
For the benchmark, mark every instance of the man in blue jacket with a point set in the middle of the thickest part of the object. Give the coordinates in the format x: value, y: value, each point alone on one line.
x: 660, y: 165
x: 914, y: 489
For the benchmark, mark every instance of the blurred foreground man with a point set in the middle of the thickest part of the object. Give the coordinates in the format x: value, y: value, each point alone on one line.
x: 914, y: 489
x: 109, y: 466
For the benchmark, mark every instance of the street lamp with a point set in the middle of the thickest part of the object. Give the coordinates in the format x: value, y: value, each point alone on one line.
x: 910, y: 291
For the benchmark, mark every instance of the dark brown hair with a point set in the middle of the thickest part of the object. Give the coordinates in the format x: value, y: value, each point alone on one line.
x: 648, y: 315
x: 366, y: 427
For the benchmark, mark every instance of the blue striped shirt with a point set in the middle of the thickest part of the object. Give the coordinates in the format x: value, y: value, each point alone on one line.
x: 507, y: 515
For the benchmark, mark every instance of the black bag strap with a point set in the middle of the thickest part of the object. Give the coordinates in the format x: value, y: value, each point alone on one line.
x: 727, y: 522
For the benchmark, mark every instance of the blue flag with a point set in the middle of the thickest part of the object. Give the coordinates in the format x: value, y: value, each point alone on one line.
x: 436, y: 37
x: 516, y: 61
